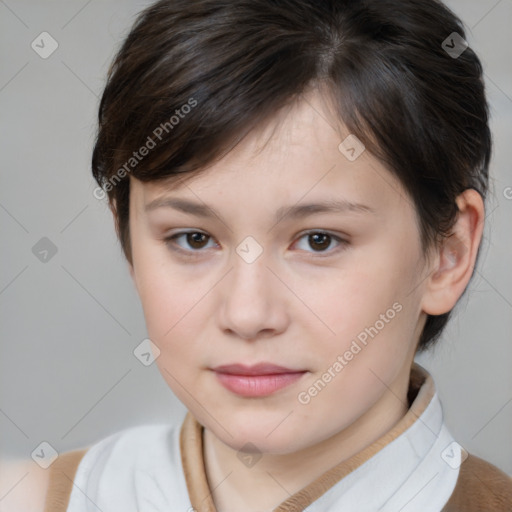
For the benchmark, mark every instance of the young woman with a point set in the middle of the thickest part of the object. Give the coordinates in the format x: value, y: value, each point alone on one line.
x: 298, y: 187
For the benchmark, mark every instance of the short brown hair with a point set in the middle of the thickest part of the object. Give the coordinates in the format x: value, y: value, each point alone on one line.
x: 419, y: 109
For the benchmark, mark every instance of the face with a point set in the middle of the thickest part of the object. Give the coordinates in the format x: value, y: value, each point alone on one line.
x: 244, y: 273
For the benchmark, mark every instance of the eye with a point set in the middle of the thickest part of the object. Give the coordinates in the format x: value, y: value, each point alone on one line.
x: 194, y: 239
x: 321, y: 240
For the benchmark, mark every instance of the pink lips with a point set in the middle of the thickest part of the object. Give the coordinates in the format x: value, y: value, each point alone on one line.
x: 256, y: 381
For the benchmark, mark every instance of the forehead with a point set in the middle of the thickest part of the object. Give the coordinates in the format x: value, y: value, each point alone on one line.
x: 294, y: 156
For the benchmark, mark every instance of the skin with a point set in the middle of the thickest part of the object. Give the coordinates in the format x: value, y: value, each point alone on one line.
x: 300, y: 304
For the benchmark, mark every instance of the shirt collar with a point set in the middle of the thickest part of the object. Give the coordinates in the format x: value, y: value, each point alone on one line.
x: 414, y: 440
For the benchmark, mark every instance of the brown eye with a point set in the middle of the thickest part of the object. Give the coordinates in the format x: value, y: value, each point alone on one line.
x: 320, y: 242
x: 195, y: 241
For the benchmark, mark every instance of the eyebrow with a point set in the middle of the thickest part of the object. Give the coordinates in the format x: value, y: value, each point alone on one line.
x: 294, y: 211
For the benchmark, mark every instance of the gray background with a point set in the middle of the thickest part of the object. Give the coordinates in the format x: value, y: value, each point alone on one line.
x: 69, y: 325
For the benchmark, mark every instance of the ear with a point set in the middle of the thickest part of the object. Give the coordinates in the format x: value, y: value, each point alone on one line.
x: 455, y: 258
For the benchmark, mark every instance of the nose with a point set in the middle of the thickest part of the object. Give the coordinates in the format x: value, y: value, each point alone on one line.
x: 253, y: 301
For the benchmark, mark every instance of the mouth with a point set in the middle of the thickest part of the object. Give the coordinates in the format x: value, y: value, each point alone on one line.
x: 259, y: 380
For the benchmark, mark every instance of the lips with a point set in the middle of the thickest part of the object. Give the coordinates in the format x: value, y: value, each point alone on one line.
x: 257, y: 369
x: 255, y: 381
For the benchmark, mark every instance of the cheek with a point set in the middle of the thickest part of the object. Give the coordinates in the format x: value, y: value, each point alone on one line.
x: 369, y: 303
x: 165, y: 293
x: 171, y: 309
x: 348, y: 298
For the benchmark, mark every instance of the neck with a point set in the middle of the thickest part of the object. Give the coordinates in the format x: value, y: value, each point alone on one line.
x: 236, y: 487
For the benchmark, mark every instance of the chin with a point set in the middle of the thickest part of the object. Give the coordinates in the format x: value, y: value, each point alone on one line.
x: 252, y: 434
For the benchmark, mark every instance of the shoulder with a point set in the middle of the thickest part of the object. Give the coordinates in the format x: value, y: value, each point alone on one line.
x: 111, y: 467
x: 23, y: 485
x: 131, y: 446
x: 480, y: 486
x: 26, y: 486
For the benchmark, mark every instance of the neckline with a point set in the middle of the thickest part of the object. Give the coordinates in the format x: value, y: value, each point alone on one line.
x: 420, y: 393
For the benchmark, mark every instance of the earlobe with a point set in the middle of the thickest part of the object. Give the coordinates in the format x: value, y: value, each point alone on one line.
x: 456, y: 256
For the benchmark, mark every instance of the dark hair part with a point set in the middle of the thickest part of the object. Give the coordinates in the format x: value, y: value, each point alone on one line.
x: 234, y: 63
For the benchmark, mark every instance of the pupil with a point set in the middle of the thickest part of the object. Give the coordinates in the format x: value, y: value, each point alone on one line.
x: 322, y: 236
x: 193, y: 237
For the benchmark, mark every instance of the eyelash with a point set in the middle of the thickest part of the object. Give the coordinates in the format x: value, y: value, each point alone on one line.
x: 170, y: 242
